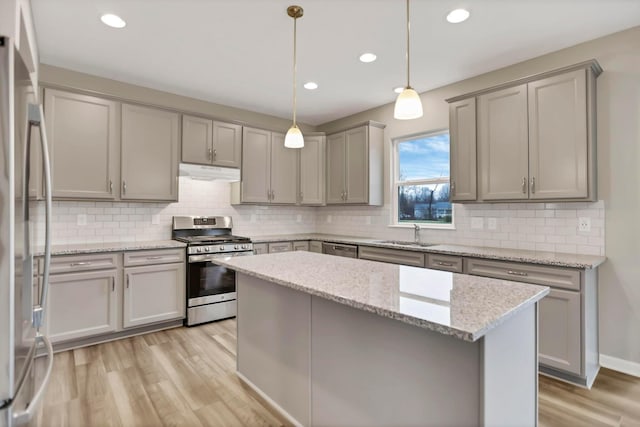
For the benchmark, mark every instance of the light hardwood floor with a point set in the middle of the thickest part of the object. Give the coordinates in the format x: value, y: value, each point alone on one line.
x: 186, y: 377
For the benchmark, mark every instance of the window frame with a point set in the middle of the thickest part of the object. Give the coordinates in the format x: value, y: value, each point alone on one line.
x: 396, y: 183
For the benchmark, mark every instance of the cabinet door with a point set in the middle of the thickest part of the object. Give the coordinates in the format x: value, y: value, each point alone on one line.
x: 560, y: 335
x: 301, y: 246
x: 502, y: 144
x: 227, y: 144
x: 81, y: 304
x: 315, y: 246
x: 83, y: 141
x: 260, y: 248
x: 197, y: 134
x: 462, y: 129
x: 280, y: 247
x: 558, y: 137
x: 357, y: 161
x: 256, y: 165
x: 312, y: 171
x: 149, y: 154
x: 153, y: 293
x: 284, y: 171
x: 336, y: 168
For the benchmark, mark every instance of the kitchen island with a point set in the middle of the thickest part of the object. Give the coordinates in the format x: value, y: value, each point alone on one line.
x: 337, y: 341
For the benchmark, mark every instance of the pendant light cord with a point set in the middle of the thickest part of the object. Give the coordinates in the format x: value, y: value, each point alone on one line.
x: 295, y: 20
x: 408, y: 38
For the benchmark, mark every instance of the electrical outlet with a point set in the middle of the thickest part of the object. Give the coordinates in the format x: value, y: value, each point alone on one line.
x: 329, y: 219
x: 477, y: 223
x: 155, y: 219
x: 492, y: 223
x: 82, y: 219
x: 299, y: 218
x: 584, y: 224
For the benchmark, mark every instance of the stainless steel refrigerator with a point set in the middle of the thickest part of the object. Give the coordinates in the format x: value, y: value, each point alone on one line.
x: 22, y: 344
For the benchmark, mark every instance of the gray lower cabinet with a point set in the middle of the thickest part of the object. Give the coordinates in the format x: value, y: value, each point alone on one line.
x: 260, y: 248
x: 444, y: 262
x: 393, y: 256
x: 84, y: 137
x: 568, y: 316
x: 150, y: 153
x: 209, y: 142
x: 280, y: 247
x: 301, y: 246
x: 83, y: 298
x: 315, y: 246
x: 153, y: 293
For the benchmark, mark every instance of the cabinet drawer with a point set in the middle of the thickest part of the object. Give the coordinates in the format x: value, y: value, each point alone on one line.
x: 315, y: 246
x: 260, y: 248
x: 301, y: 246
x: 280, y: 247
x: 394, y: 256
x: 556, y: 277
x: 444, y: 262
x: 71, y: 263
x: 162, y: 256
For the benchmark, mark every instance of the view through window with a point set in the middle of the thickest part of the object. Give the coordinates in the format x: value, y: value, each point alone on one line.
x: 422, y: 180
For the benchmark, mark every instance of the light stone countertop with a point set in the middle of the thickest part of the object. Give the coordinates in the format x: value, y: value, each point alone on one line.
x: 559, y: 259
x: 463, y: 306
x: 77, y: 248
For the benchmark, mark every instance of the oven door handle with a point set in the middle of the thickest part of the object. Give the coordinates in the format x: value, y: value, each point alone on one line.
x: 213, y: 257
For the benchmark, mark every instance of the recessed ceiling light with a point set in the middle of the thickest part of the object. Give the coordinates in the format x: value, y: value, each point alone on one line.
x: 458, y: 15
x: 112, y: 20
x: 398, y: 89
x: 311, y: 85
x: 368, y: 57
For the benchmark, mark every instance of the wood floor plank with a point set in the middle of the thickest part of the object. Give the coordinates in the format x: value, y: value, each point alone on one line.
x: 185, y: 377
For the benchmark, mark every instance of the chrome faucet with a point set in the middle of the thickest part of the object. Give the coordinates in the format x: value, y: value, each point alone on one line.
x: 416, y: 233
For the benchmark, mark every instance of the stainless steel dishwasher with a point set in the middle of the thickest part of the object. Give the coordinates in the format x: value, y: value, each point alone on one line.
x: 349, y: 251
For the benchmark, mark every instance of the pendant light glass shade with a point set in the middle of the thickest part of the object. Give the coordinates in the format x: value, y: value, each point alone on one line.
x: 408, y: 104
x: 294, y: 138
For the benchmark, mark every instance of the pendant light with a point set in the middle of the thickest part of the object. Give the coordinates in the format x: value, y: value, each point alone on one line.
x: 294, y: 138
x: 408, y: 105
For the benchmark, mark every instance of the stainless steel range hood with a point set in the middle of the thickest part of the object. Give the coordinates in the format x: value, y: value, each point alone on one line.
x: 209, y: 173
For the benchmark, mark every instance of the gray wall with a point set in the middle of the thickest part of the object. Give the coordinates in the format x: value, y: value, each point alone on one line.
x: 618, y: 167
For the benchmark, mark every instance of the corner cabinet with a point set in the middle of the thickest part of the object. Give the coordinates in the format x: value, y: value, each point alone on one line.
x: 149, y: 158
x: 269, y: 169
x: 84, y: 137
x: 535, y: 138
x: 209, y: 142
x: 355, y: 165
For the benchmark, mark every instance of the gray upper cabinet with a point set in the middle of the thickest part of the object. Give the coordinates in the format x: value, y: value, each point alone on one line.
x: 462, y: 130
x: 558, y: 140
x: 502, y: 144
x: 355, y: 165
x: 269, y: 170
x: 535, y: 138
x: 83, y: 142
x: 209, y: 142
x: 150, y: 153
x: 311, y: 171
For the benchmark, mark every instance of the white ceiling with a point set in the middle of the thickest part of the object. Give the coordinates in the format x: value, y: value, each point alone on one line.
x: 239, y: 52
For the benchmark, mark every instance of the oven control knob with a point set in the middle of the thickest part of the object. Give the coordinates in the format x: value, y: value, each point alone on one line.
x: 235, y: 247
x: 199, y: 249
x: 207, y: 249
x: 221, y: 248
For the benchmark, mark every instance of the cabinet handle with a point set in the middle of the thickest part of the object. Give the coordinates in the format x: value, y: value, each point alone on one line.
x: 215, y: 154
x: 110, y: 186
x: 273, y: 195
x: 113, y: 284
x: 127, y: 281
x: 517, y: 273
x: 209, y: 154
x: 453, y: 188
x: 78, y: 264
x: 154, y: 257
x: 533, y: 184
x: 301, y: 198
x: 444, y: 264
x: 524, y: 185
x: 124, y: 187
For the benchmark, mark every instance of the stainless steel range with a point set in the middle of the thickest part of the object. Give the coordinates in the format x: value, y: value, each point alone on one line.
x: 211, y: 288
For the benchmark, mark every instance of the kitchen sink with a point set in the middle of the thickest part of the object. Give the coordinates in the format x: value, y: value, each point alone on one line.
x: 403, y: 243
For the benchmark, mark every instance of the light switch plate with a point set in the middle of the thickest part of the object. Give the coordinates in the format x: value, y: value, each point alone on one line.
x: 584, y: 224
x: 82, y: 219
x: 477, y: 223
x: 492, y: 223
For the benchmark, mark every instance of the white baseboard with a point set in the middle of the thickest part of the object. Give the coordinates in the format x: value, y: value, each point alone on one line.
x: 620, y: 365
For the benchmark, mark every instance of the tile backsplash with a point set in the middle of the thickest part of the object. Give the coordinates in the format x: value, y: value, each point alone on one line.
x: 540, y: 226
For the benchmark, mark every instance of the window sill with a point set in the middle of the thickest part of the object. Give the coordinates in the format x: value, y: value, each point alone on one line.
x: 425, y: 226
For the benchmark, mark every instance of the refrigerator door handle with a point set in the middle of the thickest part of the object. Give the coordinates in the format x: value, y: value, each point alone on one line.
x: 36, y: 117
x: 23, y: 417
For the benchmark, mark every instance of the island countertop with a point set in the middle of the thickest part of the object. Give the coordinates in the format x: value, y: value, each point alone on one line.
x: 460, y: 305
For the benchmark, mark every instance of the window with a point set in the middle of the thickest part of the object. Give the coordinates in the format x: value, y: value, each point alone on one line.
x: 421, y: 181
